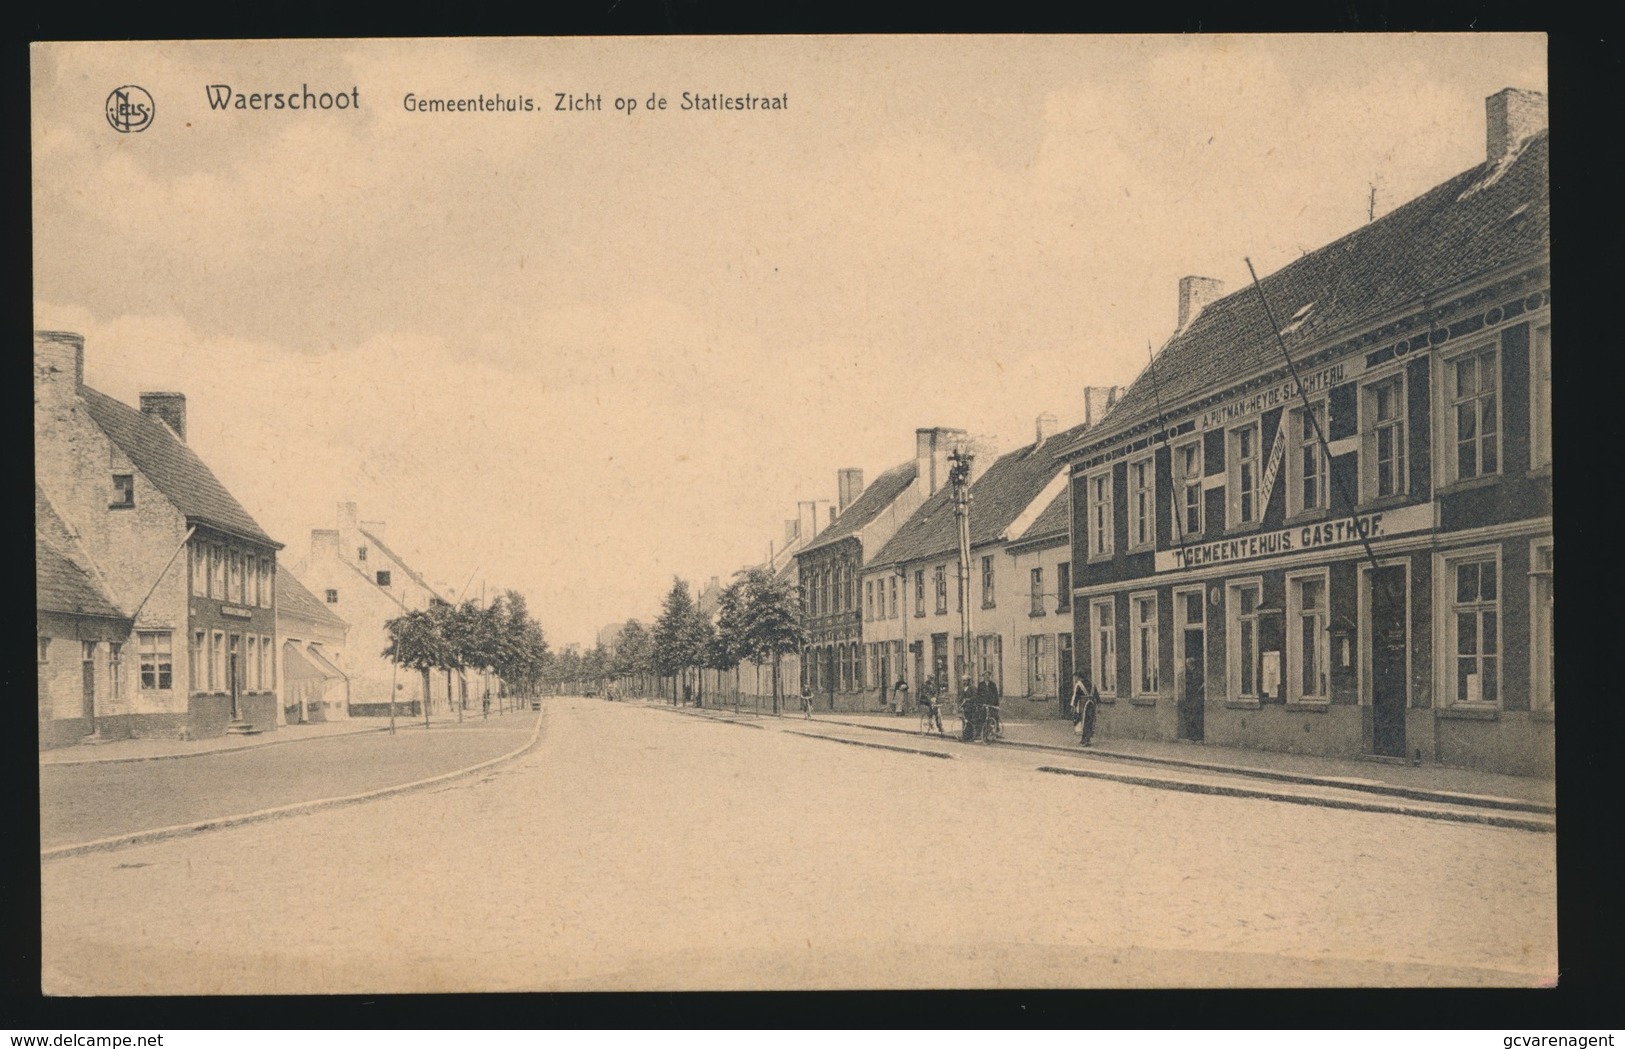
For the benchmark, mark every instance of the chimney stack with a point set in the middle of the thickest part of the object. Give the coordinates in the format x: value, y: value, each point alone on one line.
x: 1044, y: 429
x: 1097, y: 401
x: 170, y: 408
x: 848, y: 486
x: 59, y: 366
x: 1511, y: 115
x: 931, y: 448
x: 1195, y: 293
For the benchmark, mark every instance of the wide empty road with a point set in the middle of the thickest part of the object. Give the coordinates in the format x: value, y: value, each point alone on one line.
x: 637, y: 849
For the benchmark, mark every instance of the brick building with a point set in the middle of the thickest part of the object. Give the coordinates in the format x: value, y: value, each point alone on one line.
x: 167, y: 545
x: 1350, y: 554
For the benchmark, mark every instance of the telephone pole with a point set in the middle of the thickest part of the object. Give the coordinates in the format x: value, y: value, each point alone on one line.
x: 959, y: 477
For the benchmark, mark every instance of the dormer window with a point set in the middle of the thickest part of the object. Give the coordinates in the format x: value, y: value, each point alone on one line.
x: 123, y: 492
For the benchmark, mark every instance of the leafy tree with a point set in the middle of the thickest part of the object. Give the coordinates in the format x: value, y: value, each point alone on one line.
x: 633, y: 652
x: 417, y: 643
x: 770, y: 622
x: 678, y: 635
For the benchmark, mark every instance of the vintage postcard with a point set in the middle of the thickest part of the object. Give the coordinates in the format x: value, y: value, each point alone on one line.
x: 783, y: 513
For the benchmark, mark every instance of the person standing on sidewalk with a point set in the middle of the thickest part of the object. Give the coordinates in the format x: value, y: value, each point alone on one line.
x: 806, y: 702
x: 1084, y: 701
x: 900, y: 693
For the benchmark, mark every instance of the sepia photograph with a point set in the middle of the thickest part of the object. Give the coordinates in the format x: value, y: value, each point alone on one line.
x: 793, y: 513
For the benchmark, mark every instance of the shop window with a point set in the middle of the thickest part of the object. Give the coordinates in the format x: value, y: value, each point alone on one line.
x: 1143, y: 616
x: 1142, y: 503
x: 1242, y: 655
x: 157, y: 660
x: 1307, y: 465
x: 1541, y: 694
x: 1473, y: 628
x: 1309, y: 644
x: 1103, y: 645
x: 1472, y: 389
x: 1241, y: 492
x: 1383, y: 459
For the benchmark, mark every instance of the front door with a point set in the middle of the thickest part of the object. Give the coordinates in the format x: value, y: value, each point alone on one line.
x: 1063, y: 669
x: 1389, y: 645
x: 1190, y: 609
x: 88, y: 674
x: 918, y: 650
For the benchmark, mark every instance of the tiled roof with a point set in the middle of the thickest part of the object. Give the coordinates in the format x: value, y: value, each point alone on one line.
x: 172, y: 467
x: 998, y: 497
x: 1489, y: 216
x: 295, y: 600
x: 60, y: 585
x: 411, y: 573
x: 875, y: 498
x: 1056, y: 520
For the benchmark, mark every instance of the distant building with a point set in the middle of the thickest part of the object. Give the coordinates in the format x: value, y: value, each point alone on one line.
x: 1350, y: 555
x: 315, y: 686
x: 1019, y: 584
x: 166, y: 545
x: 351, y: 571
x: 83, y: 638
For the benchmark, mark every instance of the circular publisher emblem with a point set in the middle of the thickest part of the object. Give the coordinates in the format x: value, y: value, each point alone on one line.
x: 129, y: 108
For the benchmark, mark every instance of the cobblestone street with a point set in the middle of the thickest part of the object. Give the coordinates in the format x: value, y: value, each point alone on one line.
x: 638, y: 849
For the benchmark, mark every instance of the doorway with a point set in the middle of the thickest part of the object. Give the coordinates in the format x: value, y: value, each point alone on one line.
x: 87, y: 674
x: 1390, y: 651
x: 1191, y: 673
x: 1063, y: 670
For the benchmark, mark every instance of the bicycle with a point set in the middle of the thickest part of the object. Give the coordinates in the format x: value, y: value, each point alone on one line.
x: 930, y: 718
x: 989, y: 729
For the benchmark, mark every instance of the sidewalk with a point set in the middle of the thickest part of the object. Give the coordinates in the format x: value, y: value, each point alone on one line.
x: 1302, y: 768
x: 152, y: 749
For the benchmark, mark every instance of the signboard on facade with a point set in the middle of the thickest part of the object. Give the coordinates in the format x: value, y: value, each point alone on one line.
x: 1339, y: 531
x: 1288, y: 392
x: 236, y: 612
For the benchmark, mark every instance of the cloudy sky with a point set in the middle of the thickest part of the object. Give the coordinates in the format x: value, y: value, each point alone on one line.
x: 579, y: 353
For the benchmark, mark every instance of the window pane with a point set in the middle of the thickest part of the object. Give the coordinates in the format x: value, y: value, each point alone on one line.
x: 1466, y: 583
x: 1486, y: 572
x: 1487, y: 626
x: 1466, y: 633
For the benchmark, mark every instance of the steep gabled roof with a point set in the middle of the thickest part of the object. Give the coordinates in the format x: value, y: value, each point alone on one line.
x: 1489, y: 216
x: 294, y: 599
x: 408, y: 569
x: 61, y: 585
x: 868, y: 506
x: 998, y: 497
x: 1055, y: 521
x: 172, y: 467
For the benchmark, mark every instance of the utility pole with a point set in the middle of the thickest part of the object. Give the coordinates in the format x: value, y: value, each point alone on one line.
x: 959, y: 477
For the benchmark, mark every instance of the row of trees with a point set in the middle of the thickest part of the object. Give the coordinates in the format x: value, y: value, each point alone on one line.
x: 758, y: 621
x: 500, y: 638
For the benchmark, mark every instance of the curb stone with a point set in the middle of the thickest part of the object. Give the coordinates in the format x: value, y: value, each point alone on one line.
x: 301, y: 808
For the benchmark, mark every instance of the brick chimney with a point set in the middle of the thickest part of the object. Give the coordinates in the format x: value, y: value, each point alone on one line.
x: 931, y: 448
x: 1044, y: 428
x: 1097, y: 401
x: 848, y: 486
x: 1511, y: 115
x: 1195, y: 293
x: 168, y: 408
x: 59, y: 367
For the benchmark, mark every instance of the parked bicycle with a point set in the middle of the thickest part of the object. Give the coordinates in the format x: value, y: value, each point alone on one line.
x: 930, y: 717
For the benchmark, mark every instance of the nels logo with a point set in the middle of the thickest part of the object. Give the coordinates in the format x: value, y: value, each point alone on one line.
x: 129, y: 108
